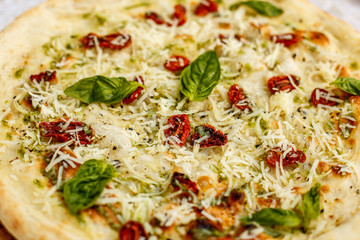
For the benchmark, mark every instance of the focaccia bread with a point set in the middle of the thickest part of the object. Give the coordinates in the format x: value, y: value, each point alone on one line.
x: 179, y: 120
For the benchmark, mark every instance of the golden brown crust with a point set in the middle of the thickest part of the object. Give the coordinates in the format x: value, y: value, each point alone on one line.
x: 4, y: 234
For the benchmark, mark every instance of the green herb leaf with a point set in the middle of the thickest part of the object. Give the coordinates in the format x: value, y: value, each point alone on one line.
x: 262, y: 7
x: 19, y: 73
x: 81, y: 191
x: 272, y: 232
x: 100, y: 19
x: 348, y: 84
x: 201, y: 76
x: 310, y: 208
x: 100, y: 89
x: 275, y: 217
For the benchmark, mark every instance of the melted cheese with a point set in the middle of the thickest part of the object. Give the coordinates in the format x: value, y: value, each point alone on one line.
x: 131, y: 137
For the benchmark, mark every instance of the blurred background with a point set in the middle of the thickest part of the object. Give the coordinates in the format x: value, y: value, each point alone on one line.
x: 348, y: 10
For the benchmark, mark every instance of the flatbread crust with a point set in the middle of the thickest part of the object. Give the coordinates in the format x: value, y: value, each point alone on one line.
x: 4, y: 234
x: 31, y: 30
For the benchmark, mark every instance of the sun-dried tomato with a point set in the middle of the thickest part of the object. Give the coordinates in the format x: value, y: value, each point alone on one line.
x: 282, y: 83
x: 115, y: 41
x: 206, y: 7
x: 47, y: 76
x: 239, y: 37
x: 136, y: 93
x: 176, y: 63
x: 238, y: 98
x: 133, y: 231
x: 323, y: 97
x: 63, y: 133
x: 292, y: 157
x: 89, y: 40
x: 288, y: 39
x: 154, y: 17
x: 209, y: 135
x: 179, y: 14
x: 223, y: 38
x: 179, y: 129
x: 180, y: 180
x: 111, y: 41
x: 337, y: 170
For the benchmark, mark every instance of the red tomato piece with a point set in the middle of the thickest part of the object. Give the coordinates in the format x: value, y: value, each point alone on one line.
x: 179, y: 128
x: 154, y: 17
x: 112, y: 41
x: 185, y: 182
x: 337, y: 170
x: 206, y: 7
x: 89, y: 40
x: 115, y: 41
x: 239, y: 37
x: 179, y: 14
x: 238, y: 98
x: 133, y: 231
x: 282, y: 83
x: 176, y: 63
x: 136, y: 93
x: 62, y: 133
x: 292, y: 157
x: 47, y: 76
x: 288, y: 39
x: 323, y: 97
x: 223, y: 38
x: 212, y: 137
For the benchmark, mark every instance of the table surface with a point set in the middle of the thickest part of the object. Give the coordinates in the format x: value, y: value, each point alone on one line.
x: 348, y: 10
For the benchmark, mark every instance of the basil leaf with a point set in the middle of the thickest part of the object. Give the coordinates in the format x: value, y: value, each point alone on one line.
x: 310, y: 208
x: 275, y: 217
x: 272, y: 232
x: 201, y: 76
x: 262, y: 7
x: 100, y: 89
x: 348, y: 84
x: 86, y: 186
